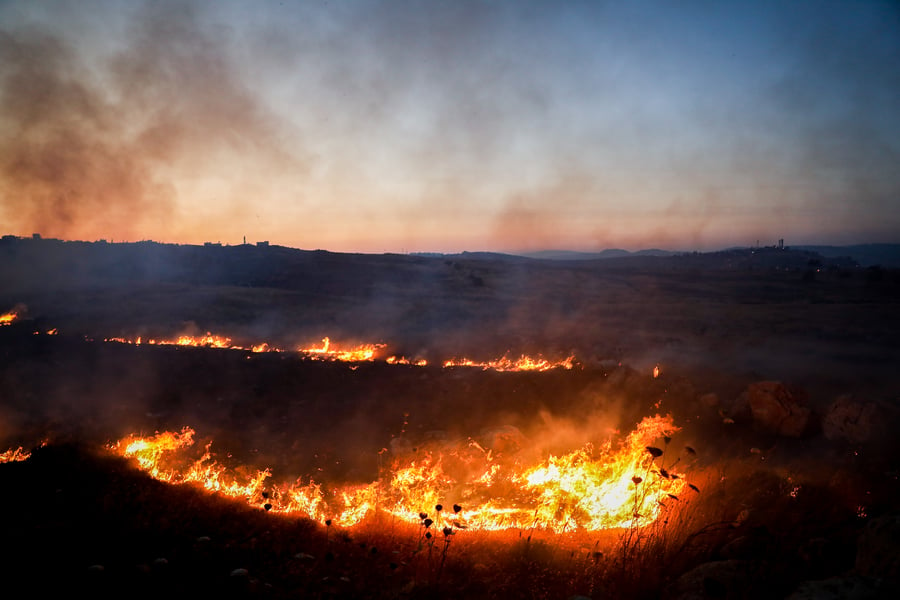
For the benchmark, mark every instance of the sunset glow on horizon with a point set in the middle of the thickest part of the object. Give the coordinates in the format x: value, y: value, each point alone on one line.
x: 443, y: 127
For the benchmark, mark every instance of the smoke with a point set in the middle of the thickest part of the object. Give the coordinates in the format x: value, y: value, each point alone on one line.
x: 92, y: 147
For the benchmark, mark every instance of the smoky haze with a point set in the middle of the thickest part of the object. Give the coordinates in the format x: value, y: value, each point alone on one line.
x: 400, y: 126
x: 92, y: 148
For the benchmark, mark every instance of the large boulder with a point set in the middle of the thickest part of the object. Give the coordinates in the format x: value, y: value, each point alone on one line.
x: 857, y: 421
x: 779, y: 409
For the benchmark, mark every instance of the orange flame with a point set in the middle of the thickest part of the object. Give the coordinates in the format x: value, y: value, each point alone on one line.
x: 588, y: 489
x: 14, y: 455
x: 365, y: 352
x: 8, y: 318
x: 402, y: 360
x: 523, y: 363
x: 209, y: 341
x: 329, y: 351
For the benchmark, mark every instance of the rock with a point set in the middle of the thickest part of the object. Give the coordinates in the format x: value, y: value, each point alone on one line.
x: 854, y: 587
x: 778, y: 409
x: 856, y: 421
x: 737, y: 409
x: 717, y: 579
x: 878, y: 548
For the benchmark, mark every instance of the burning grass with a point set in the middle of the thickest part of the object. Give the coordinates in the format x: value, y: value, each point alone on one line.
x: 136, y: 534
x: 106, y: 528
x: 7, y: 318
x: 445, y: 517
x: 618, y: 483
x: 365, y: 352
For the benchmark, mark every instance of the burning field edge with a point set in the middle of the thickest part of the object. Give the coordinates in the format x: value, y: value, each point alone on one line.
x: 757, y: 514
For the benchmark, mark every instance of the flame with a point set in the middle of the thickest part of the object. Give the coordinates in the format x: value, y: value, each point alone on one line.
x: 8, y: 317
x: 607, y: 486
x: 208, y: 341
x: 364, y: 352
x: 14, y: 455
x: 402, y: 360
x: 523, y: 363
x: 360, y: 353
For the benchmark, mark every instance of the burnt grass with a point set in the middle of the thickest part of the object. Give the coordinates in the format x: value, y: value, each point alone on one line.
x: 76, y: 519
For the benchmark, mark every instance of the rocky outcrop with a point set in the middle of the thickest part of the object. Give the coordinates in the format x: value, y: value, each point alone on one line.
x: 779, y: 409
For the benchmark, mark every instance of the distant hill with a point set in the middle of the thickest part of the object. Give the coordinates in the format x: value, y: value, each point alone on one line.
x: 867, y: 255
x: 608, y: 253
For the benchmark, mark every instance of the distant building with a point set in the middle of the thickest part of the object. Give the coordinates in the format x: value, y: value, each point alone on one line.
x: 262, y: 244
x: 35, y: 236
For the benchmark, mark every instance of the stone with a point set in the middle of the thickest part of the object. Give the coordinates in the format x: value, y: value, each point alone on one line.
x: 779, y: 409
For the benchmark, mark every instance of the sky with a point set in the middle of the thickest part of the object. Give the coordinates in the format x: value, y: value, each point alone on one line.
x: 427, y: 126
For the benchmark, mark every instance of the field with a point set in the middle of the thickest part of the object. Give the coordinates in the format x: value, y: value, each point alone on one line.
x: 800, y: 503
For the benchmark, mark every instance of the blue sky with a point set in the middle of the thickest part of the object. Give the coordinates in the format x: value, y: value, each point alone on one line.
x: 448, y: 126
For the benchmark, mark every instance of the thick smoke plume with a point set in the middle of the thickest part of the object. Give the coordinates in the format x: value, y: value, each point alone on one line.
x: 91, y: 147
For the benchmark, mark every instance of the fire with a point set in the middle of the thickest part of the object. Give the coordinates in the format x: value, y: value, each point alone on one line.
x: 8, y: 318
x: 523, y: 363
x: 208, y: 341
x: 611, y: 485
x: 402, y: 360
x: 14, y: 455
x: 330, y: 351
x: 327, y: 351
x: 364, y: 352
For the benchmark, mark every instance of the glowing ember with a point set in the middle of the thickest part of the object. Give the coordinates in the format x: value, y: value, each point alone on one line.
x: 608, y: 486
